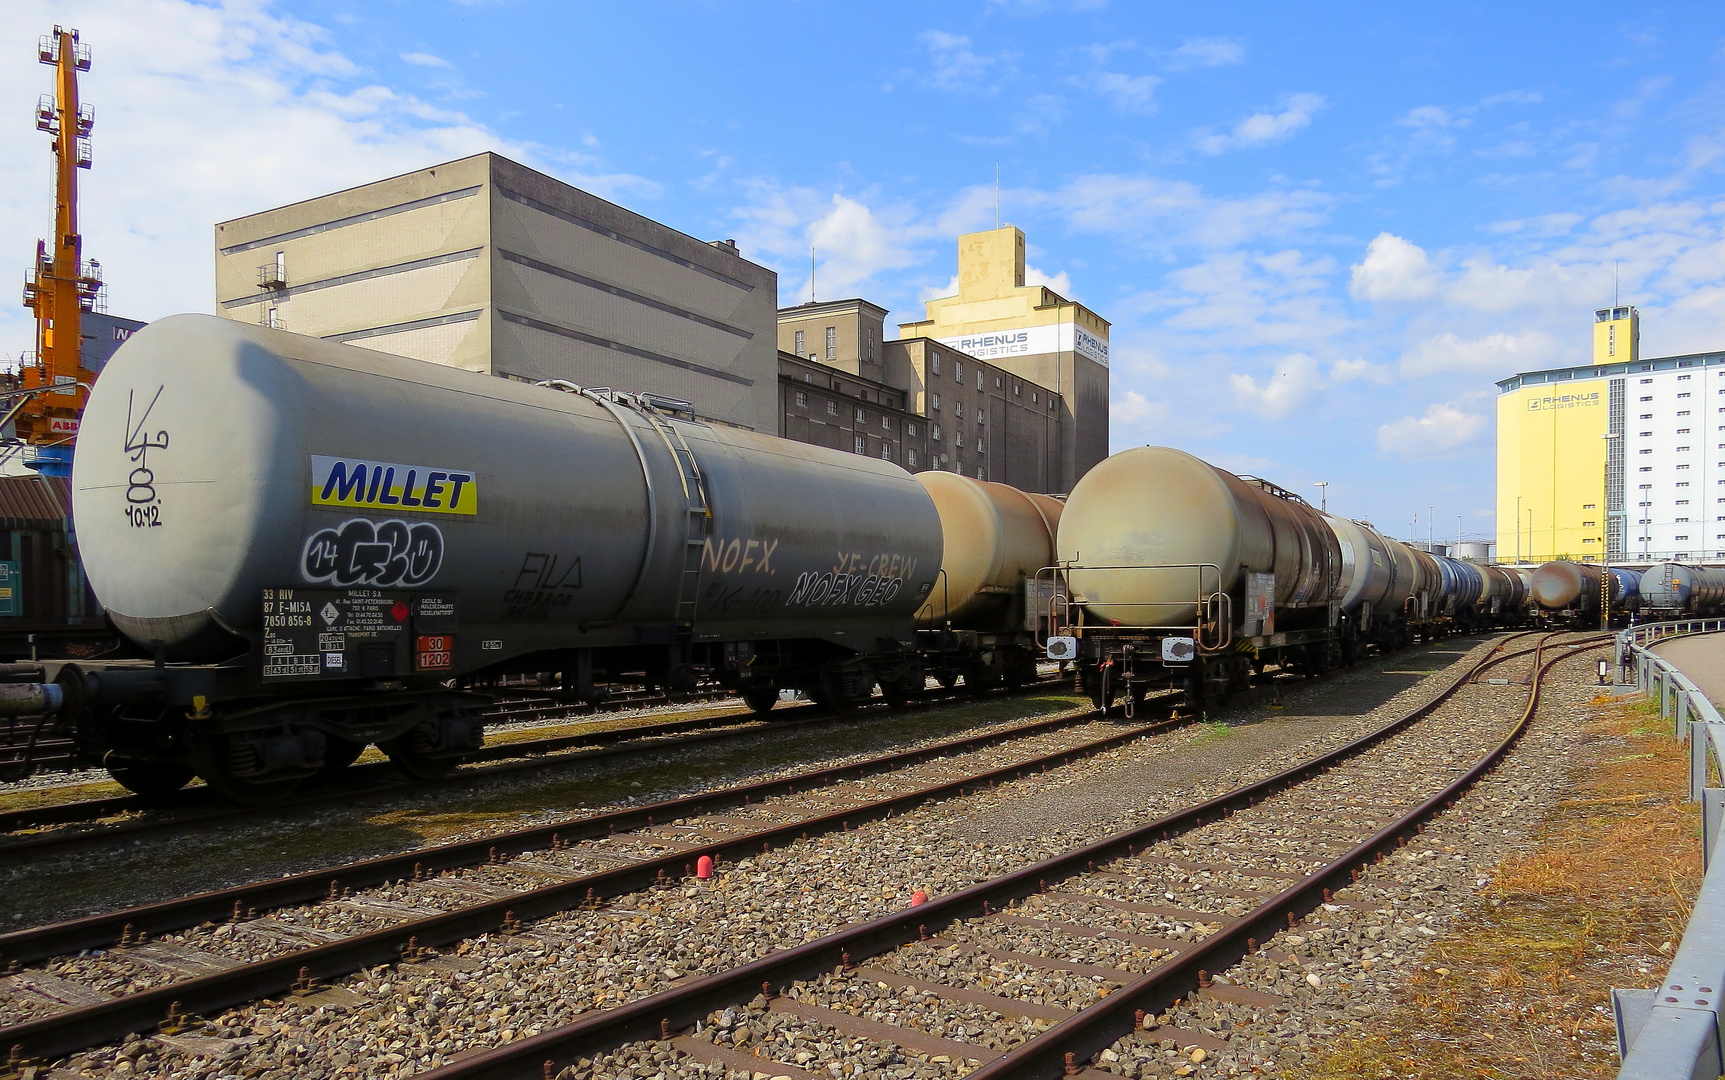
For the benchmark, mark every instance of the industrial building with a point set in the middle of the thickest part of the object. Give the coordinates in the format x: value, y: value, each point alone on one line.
x: 487, y: 265
x: 1032, y: 333
x: 957, y: 413
x: 1623, y: 458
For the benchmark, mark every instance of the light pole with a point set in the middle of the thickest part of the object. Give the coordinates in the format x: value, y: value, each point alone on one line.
x: 1323, y: 487
x: 1517, y: 531
x: 1605, y: 581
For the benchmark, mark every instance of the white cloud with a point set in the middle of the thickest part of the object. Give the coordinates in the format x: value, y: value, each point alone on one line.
x: 1393, y: 269
x: 1443, y: 429
x: 204, y: 113
x: 1132, y: 409
x: 1208, y: 52
x: 953, y: 64
x: 1060, y: 283
x: 852, y: 241
x: 424, y: 59
x: 1294, y: 379
x: 1134, y: 93
x: 1357, y: 370
x: 1262, y: 128
x: 1178, y: 211
x: 1496, y: 354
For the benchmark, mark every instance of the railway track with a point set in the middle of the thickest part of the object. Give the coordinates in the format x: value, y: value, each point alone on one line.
x: 976, y: 981
x: 568, y: 865
x: 432, y: 898
x: 381, y: 778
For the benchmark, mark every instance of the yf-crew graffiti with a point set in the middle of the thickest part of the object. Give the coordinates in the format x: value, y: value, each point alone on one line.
x: 854, y: 581
x: 362, y: 552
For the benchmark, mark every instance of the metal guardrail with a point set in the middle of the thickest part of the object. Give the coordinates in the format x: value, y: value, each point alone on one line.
x: 1674, y: 1032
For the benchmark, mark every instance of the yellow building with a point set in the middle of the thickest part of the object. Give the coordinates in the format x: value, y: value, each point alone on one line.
x: 1617, y: 448
x: 1032, y: 332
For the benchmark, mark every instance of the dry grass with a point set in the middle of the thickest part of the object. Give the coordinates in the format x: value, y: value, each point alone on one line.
x: 1520, y: 987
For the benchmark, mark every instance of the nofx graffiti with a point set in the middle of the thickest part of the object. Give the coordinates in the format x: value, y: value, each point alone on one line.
x: 362, y: 552
x: 854, y: 582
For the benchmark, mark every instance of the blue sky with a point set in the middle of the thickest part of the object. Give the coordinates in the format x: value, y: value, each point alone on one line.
x: 1321, y: 231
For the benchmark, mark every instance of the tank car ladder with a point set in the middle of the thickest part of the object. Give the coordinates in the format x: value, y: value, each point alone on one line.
x: 699, y: 513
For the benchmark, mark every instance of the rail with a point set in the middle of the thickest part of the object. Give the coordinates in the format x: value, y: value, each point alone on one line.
x: 1674, y: 1031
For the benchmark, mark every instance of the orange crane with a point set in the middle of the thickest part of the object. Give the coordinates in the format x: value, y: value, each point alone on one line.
x: 48, y: 397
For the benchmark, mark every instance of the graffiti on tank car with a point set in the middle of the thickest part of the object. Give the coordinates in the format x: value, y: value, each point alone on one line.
x: 737, y: 556
x: 722, y: 599
x: 856, y: 580
x: 364, y: 552
x: 544, y: 584
x: 143, y: 504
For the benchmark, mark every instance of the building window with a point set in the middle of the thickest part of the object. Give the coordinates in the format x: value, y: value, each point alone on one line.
x: 979, y: 380
x: 802, y: 399
x: 934, y: 361
x: 959, y: 469
x: 909, y: 430
x: 1645, y: 416
x: 981, y: 415
x: 1644, y: 382
x: 861, y: 416
x: 832, y: 408
x: 1684, y: 394
x: 1646, y: 399
x: 1050, y: 404
x: 1589, y: 524
x: 862, y: 444
x: 1647, y: 434
x: 958, y: 409
x: 832, y: 343
x: 910, y: 458
x: 1682, y: 431
x: 886, y: 451
x: 934, y: 432
x: 1647, y: 450
x: 1680, y: 378
x: 1682, y: 449
x: 802, y: 342
x: 999, y: 382
x: 1682, y: 467
x: 886, y: 423
x: 1590, y: 506
x: 1033, y: 398
x: 1017, y: 389
x: 869, y: 337
x: 979, y: 447
x: 958, y: 370
x: 935, y: 399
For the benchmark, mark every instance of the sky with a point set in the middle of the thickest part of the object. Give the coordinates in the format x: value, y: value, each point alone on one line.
x: 1320, y: 231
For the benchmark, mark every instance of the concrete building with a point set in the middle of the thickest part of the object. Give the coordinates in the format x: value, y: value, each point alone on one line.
x: 974, y: 418
x: 834, y: 408
x: 487, y: 265
x: 1031, y: 332
x: 1623, y: 455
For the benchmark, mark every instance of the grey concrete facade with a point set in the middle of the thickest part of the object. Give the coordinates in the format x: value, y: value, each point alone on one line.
x: 967, y: 416
x: 487, y: 265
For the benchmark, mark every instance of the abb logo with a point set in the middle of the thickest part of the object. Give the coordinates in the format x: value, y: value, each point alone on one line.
x: 434, y: 652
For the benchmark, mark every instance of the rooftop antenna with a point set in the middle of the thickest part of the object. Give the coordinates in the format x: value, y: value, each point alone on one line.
x: 997, y: 195
x: 811, y: 274
x: 1615, y: 264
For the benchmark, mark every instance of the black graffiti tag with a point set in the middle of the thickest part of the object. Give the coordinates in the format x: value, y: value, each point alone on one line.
x: 362, y: 552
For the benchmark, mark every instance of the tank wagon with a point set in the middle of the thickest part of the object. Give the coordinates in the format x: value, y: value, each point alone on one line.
x: 1174, y: 573
x: 322, y: 547
x: 1674, y: 590
x: 978, y: 621
x: 1569, y: 593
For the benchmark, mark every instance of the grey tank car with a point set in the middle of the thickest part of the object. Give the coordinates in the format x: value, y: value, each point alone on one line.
x: 321, y: 546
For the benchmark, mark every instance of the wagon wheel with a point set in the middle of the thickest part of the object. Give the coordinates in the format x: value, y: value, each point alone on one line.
x: 150, y: 777
x: 213, y: 766
x: 411, y: 752
x: 338, y: 754
x: 760, y: 698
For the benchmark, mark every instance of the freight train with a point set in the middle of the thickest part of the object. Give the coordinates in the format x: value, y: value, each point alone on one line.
x: 317, y: 547
x: 1569, y: 593
x: 1173, y: 573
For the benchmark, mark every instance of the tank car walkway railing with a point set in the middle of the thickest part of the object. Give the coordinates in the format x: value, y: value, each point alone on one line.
x: 1674, y: 1032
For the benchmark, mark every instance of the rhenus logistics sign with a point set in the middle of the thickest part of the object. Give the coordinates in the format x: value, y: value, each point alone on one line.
x: 385, y: 485
x: 1032, y: 341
